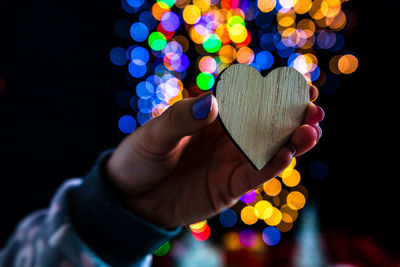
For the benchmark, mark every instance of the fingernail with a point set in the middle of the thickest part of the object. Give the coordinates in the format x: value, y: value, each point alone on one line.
x: 292, y: 148
x: 202, y: 107
x: 319, y: 130
x: 318, y: 116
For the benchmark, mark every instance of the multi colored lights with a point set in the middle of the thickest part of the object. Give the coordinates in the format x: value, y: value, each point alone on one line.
x: 211, y: 43
x: 139, y: 31
x: 161, y: 251
x: 127, y: 124
x: 205, y: 80
x: 248, y: 238
x: 170, y: 21
x: 200, y: 230
x: 228, y: 217
x: 181, y: 46
x: 273, y: 187
x: 271, y: 235
x: 248, y: 215
x: 191, y: 14
x: 264, y: 60
x: 275, y: 204
x: 249, y: 197
x: 118, y: 56
x: 157, y: 41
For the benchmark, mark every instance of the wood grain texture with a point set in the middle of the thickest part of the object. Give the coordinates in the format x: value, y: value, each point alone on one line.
x: 260, y: 113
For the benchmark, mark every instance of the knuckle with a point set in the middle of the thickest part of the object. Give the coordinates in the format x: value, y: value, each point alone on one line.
x: 171, y: 119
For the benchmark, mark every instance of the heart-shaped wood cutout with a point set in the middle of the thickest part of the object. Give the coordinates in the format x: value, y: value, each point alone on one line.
x: 260, y: 113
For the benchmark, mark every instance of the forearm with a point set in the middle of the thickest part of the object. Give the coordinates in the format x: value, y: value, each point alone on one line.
x: 85, y: 223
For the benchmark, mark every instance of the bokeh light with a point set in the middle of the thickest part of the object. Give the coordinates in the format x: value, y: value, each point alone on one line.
x: 263, y: 209
x: 248, y: 215
x: 191, y: 14
x: 273, y: 187
x: 227, y: 53
x: 266, y: 5
x: 248, y: 238
x: 140, y: 55
x: 230, y: 241
x: 158, y: 9
x: 166, y: 3
x: 127, y: 124
x: 146, y: 17
x: 249, y: 197
x: 204, y: 235
x: 163, y: 250
x: 157, y: 41
x: 145, y: 90
x: 228, y: 217
x: 292, y: 179
x: 348, y: 64
x: 135, y: 3
x: 170, y: 21
x: 211, y: 43
x: 198, y: 227
x: 181, y: 46
x: 289, y: 215
x: 139, y: 31
x: 271, y: 236
x: 284, y: 226
x: 296, y: 200
x: 118, y: 56
x: 205, y: 80
x: 264, y: 60
x: 137, y: 69
x: 208, y: 64
x: 245, y: 55
x: 275, y: 217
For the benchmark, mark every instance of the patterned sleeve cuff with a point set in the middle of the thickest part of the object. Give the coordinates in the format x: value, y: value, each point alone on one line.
x: 114, y: 233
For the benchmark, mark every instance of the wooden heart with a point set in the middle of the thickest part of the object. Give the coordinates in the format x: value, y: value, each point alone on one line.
x: 260, y: 113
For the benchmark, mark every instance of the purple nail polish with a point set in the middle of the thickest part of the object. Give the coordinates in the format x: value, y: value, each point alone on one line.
x: 202, y: 107
x: 319, y: 130
x: 292, y: 148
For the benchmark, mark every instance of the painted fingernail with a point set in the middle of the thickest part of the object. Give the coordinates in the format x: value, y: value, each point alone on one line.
x: 202, y: 107
x: 318, y: 129
x: 292, y: 148
x: 317, y: 117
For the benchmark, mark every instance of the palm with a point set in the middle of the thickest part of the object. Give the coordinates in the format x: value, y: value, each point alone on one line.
x: 195, y: 179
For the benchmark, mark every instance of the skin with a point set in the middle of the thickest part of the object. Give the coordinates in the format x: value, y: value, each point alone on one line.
x: 175, y: 170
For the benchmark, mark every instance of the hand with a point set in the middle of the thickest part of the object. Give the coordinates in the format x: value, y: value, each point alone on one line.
x: 176, y: 170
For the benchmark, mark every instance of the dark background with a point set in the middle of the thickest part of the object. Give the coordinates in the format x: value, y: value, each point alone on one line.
x: 57, y: 113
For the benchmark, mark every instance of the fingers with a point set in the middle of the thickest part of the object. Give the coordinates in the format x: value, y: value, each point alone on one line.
x: 314, y: 114
x: 278, y: 163
x: 184, y: 118
x: 303, y: 139
x: 307, y: 135
x: 246, y: 177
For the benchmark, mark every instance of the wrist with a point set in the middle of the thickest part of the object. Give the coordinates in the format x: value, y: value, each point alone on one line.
x: 136, y: 202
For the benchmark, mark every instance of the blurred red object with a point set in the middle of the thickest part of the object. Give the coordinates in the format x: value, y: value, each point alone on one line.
x: 357, y: 249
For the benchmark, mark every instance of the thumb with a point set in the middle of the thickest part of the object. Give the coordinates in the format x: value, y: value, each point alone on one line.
x: 185, y: 117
